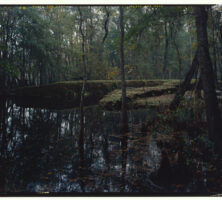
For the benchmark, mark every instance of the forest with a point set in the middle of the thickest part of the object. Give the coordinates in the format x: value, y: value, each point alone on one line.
x: 111, y: 100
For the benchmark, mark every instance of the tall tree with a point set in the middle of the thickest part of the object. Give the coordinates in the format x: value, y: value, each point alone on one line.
x: 81, y: 135
x: 214, y: 48
x: 207, y: 77
x: 124, y: 117
x: 166, y: 49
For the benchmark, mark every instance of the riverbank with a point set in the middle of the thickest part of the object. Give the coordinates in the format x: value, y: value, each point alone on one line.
x: 141, y: 97
x: 102, y: 92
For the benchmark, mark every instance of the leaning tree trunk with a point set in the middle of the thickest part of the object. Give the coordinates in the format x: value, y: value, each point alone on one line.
x: 207, y: 78
x: 124, y: 118
x: 185, y: 85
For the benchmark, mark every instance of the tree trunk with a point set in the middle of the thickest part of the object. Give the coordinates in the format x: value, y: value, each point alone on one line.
x: 207, y: 78
x: 166, y: 50
x: 124, y: 117
x: 214, y: 50
x: 5, y: 57
x: 218, y: 58
x: 81, y: 134
x: 190, y: 41
x: 198, y: 85
x: 42, y: 74
x: 185, y: 85
x: 106, y: 24
x: 179, y: 58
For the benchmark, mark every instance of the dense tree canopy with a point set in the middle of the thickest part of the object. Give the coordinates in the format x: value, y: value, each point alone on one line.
x: 42, y: 44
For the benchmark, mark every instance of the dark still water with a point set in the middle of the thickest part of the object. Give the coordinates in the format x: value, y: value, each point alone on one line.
x: 41, y: 151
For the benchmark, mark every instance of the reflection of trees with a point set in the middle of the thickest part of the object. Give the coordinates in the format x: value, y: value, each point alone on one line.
x: 124, y: 159
x: 43, y: 151
x: 34, y: 149
x: 3, y: 112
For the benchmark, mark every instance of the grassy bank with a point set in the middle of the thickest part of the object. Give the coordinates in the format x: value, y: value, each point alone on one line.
x: 66, y: 94
x: 142, y: 96
x: 61, y: 89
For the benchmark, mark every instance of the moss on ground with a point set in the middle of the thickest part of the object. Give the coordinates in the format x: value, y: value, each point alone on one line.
x: 140, y: 97
x: 157, y: 101
x: 140, y: 93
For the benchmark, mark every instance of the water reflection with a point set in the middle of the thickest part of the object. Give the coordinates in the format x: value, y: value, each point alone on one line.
x: 43, y: 151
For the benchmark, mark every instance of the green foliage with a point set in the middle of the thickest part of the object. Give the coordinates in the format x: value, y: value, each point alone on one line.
x: 44, y: 43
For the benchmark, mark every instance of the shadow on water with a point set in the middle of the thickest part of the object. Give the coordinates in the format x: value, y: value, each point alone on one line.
x: 3, y: 117
x: 43, y: 151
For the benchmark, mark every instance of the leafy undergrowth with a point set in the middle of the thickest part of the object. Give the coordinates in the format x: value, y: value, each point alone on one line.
x: 189, y: 160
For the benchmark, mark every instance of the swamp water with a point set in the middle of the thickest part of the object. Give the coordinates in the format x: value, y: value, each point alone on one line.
x: 41, y: 152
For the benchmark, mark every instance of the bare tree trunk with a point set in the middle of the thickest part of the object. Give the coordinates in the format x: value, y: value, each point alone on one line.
x: 5, y: 56
x: 81, y: 134
x: 179, y: 58
x: 166, y: 50
x: 185, y: 85
x: 124, y: 117
x: 207, y: 78
x: 198, y: 84
x: 219, y: 62
x: 190, y: 41
x: 42, y: 78
x: 214, y: 50
x: 106, y: 25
